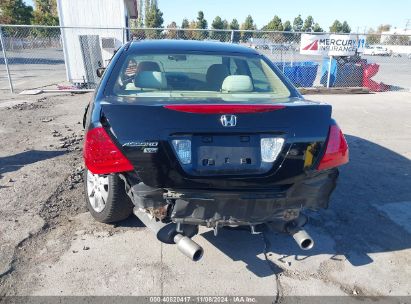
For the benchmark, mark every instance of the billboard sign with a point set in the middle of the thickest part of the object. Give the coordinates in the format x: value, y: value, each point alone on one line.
x: 331, y: 44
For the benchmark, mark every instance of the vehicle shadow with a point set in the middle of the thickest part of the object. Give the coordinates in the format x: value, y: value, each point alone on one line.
x: 131, y: 222
x: 356, y: 224
x: 241, y: 245
x: 15, y: 162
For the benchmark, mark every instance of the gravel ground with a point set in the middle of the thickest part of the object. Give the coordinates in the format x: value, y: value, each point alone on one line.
x: 50, y: 245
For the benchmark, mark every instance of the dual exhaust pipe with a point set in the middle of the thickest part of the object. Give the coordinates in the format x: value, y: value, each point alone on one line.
x: 166, y: 233
x: 301, y: 237
x: 188, y: 247
x: 195, y: 252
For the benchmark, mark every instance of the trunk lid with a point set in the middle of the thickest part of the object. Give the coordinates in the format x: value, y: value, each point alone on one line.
x: 221, y: 156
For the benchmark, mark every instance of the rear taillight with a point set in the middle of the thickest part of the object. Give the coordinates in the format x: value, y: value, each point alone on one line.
x: 336, y: 153
x: 101, y: 155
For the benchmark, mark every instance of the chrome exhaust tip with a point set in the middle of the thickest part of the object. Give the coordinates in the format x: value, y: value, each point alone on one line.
x: 188, y: 247
x: 303, y: 239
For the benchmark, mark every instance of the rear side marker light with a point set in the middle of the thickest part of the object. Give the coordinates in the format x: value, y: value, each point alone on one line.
x: 271, y: 148
x: 336, y: 153
x: 101, y: 155
x: 183, y: 150
x: 222, y: 108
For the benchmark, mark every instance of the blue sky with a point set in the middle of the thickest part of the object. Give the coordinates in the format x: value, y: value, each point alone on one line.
x: 358, y: 13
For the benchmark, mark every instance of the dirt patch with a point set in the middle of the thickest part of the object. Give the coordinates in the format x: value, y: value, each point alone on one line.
x: 41, y: 176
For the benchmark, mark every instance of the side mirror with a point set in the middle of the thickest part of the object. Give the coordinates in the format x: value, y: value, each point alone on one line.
x: 100, y: 72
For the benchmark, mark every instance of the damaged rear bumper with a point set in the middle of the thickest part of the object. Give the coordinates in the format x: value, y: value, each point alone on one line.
x: 213, y: 208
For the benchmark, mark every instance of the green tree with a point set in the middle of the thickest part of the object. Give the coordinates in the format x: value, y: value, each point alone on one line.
x: 140, y: 18
x: 298, y: 24
x: 317, y: 28
x: 147, y: 5
x: 154, y: 19
x: 191, y: 34
x: 218, y: 24
x: 287, y: 26
x: 15, y: 12
x: 308, y: 24
x: 226, y: 35
x: 235, y: 26
x: 201, y: 21
x: 246, y: 26
x: 336, y: 27
x: 345, y: 28
x: 45, y: 12
x: 274, y: 25
x: 46, y: 6
x: 172, y: 32
x: 201, y: 24
x: 184, y: 25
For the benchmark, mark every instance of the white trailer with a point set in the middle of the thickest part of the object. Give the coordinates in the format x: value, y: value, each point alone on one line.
x: 91, y: 30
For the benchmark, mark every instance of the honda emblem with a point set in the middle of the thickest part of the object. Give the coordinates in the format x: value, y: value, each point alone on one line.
x: 228, y: 120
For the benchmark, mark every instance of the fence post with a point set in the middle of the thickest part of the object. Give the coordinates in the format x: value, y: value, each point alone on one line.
x: 232, y: 37
x: 6, y: 63
x: 329, y: 71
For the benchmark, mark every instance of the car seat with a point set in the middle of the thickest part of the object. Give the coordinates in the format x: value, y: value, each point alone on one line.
x: 215, y: 76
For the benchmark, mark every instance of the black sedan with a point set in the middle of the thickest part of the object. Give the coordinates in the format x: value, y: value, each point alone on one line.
x: 186, y: 133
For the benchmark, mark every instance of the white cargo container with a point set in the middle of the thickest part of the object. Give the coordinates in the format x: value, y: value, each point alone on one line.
x: 101, y: 32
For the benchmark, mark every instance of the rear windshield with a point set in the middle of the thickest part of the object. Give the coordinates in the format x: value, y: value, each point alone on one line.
x: 195, y: 75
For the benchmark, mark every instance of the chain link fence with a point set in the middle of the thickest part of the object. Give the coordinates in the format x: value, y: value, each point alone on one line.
x: 44, y: 57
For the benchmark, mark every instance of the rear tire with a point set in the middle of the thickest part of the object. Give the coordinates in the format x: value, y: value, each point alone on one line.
x: 106, y: 197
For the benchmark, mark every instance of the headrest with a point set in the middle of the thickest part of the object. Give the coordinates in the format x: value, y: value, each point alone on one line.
x: 237, y: 83
x: 150, y: 80
x: 215, y: 76
x: 148, y: 66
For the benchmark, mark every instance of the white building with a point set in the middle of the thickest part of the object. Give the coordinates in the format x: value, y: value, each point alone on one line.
x: 101, y: 32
